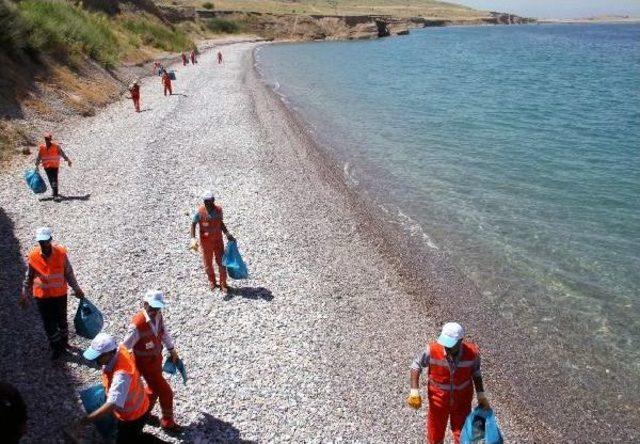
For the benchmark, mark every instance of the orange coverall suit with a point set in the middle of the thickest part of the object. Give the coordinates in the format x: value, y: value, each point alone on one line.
x: 166, y: 81
x: 211, y: 242
x: 135, y: 96
x: 450, y: 390
x: 147, y: 351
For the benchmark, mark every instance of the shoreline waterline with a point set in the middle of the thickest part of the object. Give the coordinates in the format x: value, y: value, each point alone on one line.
x: 510, y: 348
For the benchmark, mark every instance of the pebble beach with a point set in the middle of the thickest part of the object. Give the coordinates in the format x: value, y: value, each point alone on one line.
x: 314, y: 347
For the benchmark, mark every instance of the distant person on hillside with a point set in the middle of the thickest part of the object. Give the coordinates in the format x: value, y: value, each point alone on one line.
x: 219, y: 57
x: 209, y: 219
x: 166, y: 82
x: 134, y: 90
x: 453, y: 369
x: 184, y: 59
x: 49, y: 153
x: 49, y: 274
x: 193, y: 57
x: 13, y: 414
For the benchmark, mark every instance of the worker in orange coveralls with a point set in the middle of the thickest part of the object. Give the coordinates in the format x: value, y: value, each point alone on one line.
x: 145, y: 338
x: 453, y: 371
x: 193, y: 57
x: 166, y: 81
x: 184, y: 59
x: 134, y: 90
x: 211, y: 225
x: 219, y: 57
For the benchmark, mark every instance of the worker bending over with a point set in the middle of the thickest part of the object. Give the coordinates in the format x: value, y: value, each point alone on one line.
x: 126, y: 396
x: 49, y: 273
x: 146, y: 336
x: 453, y: 364
x: 209, y: 219
x: 49, y: 153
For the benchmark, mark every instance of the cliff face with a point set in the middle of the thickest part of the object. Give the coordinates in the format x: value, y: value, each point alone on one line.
x: 334, y: 27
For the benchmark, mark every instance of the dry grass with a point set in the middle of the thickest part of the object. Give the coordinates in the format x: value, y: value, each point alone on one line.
x: 83, y: 94
x: 397, y: 8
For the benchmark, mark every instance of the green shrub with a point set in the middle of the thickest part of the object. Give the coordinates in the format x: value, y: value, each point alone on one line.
x: 14, y: 37
x: 155, y: 34
x: 207, y: 5
x: 56, y: 26
x: 222, y: 26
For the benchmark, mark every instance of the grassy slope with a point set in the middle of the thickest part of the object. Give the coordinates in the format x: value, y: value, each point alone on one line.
x: 50, y: 48
x: 397, y: 8
x: 59, y: 28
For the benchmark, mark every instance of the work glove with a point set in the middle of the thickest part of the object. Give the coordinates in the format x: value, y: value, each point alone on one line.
x: 69, y: 163
x: 414, y: 400
x: 230, y: 238
x: 174, y: 355
x: 193, y: 246
x: 483, y: 401
x: 79, y: 293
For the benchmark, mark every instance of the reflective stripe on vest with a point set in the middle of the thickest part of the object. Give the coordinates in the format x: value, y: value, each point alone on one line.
x: 50, y: 157
x: 450, y: 377
x: 447, y: 387
x: 210, y: 227
x: 49, y: 281
x: 137, y: 402
x: 146, y: 336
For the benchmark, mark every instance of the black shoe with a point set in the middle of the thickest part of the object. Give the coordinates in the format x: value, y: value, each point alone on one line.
x: 153, y: 420
x: 56, y: 353
x: 57, y: 199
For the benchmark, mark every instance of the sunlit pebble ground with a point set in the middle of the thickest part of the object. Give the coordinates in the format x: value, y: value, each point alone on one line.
x: 315, y: 347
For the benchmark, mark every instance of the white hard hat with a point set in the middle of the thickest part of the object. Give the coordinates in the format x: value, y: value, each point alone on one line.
x: 102, y: 343
x: 155, y: 298
x: 452, y: 332
x: 43, y: 234
x: 207, y: 195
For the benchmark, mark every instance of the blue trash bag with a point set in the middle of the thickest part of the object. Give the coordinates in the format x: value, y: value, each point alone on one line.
x: 481, y: 427
x: 92, y: 398
x: 35, y: 181
x: 171, y: 368
x: 172, y: 75
x: 236, y: 268
x: 88, y: 321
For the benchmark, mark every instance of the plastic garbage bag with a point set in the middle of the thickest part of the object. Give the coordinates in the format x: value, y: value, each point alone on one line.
x: 172, y: 75
x: 481, y: 427
x: 35, y: 181
x: 172, y: 369
x: 92, y: 398
x: 88, y: 321
x: 236, y: 268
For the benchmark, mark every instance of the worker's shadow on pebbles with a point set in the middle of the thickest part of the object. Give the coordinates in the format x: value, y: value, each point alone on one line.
x: 249, y: 293
x: 63, y: 198
x: 50, y: 389
x: 179, y: 94
x: 210, y: 429
x: 83, y: 197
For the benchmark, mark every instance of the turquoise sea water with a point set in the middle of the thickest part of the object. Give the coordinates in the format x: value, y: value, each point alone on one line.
x: 514, y: 149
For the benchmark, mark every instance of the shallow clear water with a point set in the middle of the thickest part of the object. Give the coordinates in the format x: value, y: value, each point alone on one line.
x: 515, y: 149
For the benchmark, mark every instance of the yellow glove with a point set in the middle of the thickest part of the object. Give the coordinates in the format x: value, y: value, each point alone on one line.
x: 193, y: 246
x: 414, y: 400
